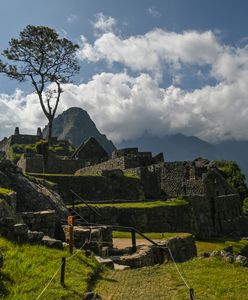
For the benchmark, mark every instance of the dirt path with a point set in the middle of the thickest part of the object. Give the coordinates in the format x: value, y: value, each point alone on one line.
x: 126, y: 242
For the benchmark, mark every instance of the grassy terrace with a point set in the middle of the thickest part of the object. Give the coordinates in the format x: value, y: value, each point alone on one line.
x: 49, y: 175
x: 143, y: 204
x: 211, y: 279
x: 27, y: 269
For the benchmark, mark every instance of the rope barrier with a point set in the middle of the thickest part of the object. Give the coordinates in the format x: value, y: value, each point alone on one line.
x: 186, y: 282
x: 69, y: 258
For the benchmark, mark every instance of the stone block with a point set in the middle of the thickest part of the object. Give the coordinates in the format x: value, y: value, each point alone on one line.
x: 35, y: 237
x: 20, y: 229
x: 52, y: 243
x: 120, y: 267
x: 105, y: 261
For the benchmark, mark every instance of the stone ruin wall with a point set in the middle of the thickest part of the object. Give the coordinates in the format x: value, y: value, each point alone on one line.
x: 173, y: 176
x: 122, y: 163
x: 98, y: 188
x: 150, y: 180
x: 34, y: 164
x: 44, y: 221
x: 96, y: 170
x: 4, y: 144
x: 229, y: 216
x: 219, y: 215
x: 156, y: 219
x: 18, y: 139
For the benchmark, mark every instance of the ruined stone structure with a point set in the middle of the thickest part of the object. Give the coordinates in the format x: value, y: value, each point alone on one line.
x: 88, y: 153
x: 18, y: 138
x: 215, y: 207
x: 98, y: 188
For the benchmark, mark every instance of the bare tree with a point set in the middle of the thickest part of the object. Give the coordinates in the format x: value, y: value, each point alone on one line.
x: 47, y: 60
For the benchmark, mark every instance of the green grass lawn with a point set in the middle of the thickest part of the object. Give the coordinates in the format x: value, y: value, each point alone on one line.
x: 211, y: 279
x: 143, y: 204
x: 27, y: 269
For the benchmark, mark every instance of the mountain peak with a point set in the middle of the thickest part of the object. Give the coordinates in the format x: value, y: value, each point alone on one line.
x: 76, y: 126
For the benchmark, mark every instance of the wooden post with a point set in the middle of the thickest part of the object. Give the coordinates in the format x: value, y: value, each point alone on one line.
x: 71, y: 233
x: 192, y: 294
x: 134, y: 248
x: 62, y: 274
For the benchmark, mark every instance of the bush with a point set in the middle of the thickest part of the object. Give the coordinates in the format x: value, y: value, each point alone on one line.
x: 232, y: 173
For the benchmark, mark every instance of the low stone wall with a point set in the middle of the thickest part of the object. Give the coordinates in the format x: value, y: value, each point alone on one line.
x: 156, y: 219
x: 44, y: 221
x: 179, y: 249
x: 98, y: 188
x: 99, y: 237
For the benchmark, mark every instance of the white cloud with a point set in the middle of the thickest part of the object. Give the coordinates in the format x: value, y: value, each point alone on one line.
x: 152, y: 11
x: 152, y: 51
x: 125, y: 107
x: 104, y: 23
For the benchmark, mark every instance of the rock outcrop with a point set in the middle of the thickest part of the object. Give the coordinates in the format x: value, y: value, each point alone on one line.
x: 30, y: 196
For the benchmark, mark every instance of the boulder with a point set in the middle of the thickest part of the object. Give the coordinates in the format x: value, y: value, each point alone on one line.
x: 30, y: 196
x: 205, y: 254
x: 35, y: 237
x: 242, y: 260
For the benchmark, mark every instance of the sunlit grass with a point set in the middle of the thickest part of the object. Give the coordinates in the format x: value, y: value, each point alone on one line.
x: 211, y: 278
x: 27, y: 269
x: 144, y: 204
x: 4, y: 191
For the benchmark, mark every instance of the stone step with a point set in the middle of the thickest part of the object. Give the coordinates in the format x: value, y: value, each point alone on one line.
x: 105, y: 261
x: 52, y: 243
x: 118, y: 267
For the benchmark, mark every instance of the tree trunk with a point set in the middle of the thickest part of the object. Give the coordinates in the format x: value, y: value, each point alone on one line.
x: 50, y: 130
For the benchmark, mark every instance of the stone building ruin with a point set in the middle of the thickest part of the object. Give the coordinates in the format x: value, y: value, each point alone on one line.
x: 213, y: 206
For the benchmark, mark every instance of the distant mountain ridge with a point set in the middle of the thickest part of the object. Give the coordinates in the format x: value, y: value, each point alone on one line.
x: 175, y: 147
x: 76, y: 126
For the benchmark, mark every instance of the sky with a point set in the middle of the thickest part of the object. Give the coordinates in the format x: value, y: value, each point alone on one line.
x: 156, y: 67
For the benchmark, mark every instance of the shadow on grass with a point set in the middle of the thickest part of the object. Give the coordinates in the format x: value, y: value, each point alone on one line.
x: 4, y: 278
